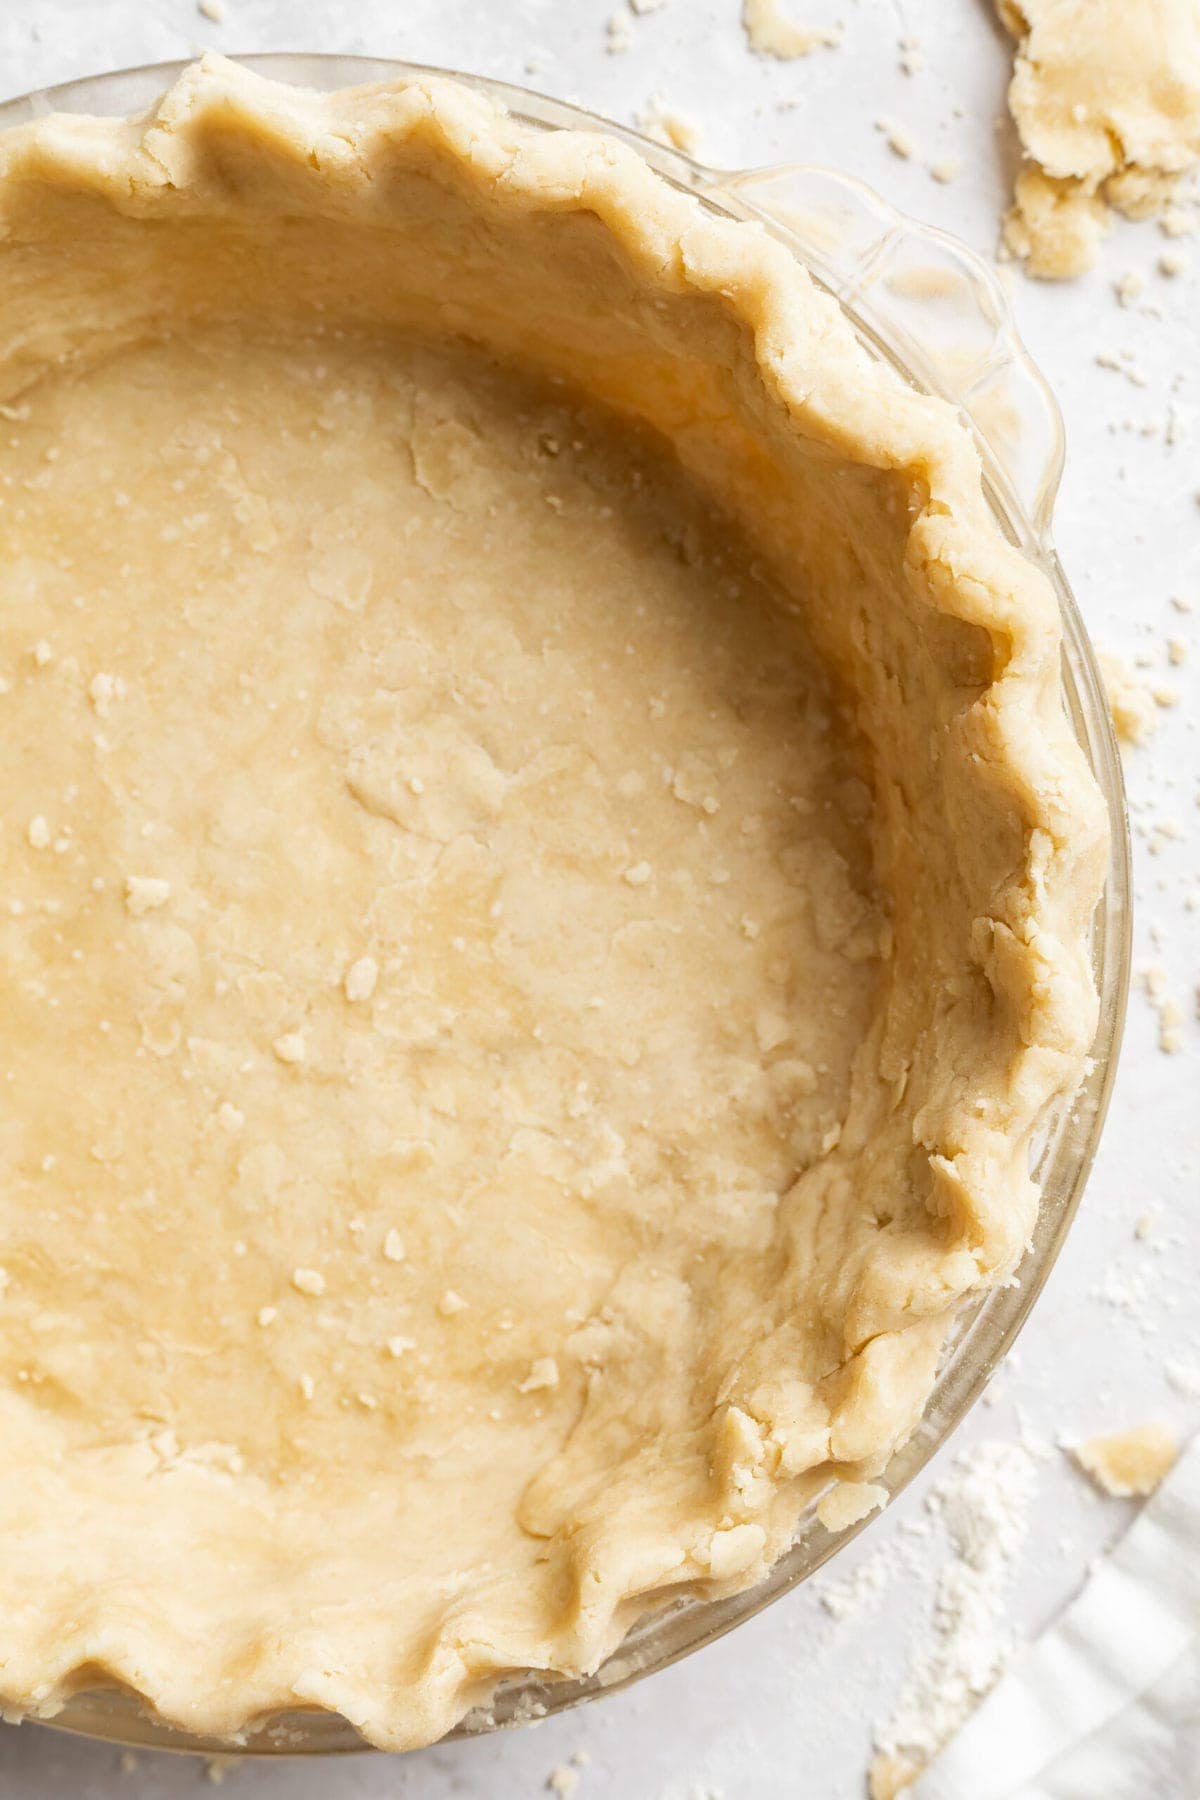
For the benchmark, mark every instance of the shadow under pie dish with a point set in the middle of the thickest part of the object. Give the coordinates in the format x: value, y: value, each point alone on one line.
x: 547, y: 896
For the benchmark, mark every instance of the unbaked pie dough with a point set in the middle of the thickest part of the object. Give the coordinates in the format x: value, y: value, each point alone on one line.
x: 1106, y: 98
x: 544, y: 895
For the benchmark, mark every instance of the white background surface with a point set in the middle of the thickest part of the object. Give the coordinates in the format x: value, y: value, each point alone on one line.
x: 785, y: 1707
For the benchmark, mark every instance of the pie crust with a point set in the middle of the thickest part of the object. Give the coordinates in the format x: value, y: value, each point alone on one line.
x: 545, y: 896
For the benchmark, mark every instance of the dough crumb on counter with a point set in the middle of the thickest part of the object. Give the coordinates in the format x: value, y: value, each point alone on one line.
x: 669, y: 125
x: 898, y: 138
x: 618, y: 33
x: 890, y: 1774
x: 1132, y: 701
x: 1106, y: 101
x: 770, y: 31
x: 1153, y: 981
x: 1129, y: 1462
x: 618, y: 27
x: 1129, y: 287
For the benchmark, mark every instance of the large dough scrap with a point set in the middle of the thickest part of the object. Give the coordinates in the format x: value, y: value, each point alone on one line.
x: 1106, y: 98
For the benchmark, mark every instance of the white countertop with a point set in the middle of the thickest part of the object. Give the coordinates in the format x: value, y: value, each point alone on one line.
x: 786, y: 1705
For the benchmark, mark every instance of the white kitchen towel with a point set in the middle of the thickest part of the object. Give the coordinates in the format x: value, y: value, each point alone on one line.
x: 1105, y: 1705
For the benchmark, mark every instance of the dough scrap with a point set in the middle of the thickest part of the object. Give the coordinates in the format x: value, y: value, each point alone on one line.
x: 512, y: 573
x: 1136, y: 714
x: 849, y: 1501
x: 1129, y: 1462
x: 770, y: 31
x: 1106, y: 99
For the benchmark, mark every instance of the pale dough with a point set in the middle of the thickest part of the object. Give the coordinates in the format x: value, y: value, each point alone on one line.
x: 545, y: 890
x: 770, y: 31
x: 1106, y: 98
x: 1136, y: 713
x: 1130, y: 1462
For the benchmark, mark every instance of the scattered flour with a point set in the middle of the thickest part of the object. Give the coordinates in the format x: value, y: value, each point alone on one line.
x: 983, y: 1507
x: 1184, y: 1378
x: 860, y: 1592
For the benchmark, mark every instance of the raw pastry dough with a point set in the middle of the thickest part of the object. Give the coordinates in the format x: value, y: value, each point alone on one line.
x: 1106, y: 97
x: 1130, y: 1462
x: 770, y: 32
x: 545, y: 892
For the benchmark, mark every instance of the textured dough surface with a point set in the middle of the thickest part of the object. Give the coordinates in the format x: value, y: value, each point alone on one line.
x: 1130, y: 1462
x: 1106, y: 98
x: 545, y: 887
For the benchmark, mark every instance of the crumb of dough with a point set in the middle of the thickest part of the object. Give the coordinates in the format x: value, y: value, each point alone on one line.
x: 1170, y: 1014
x: 618, y: 35
x: 1129, y: 286
x: 890, y: 1774
x: 218, y: 1767
x: 1173, y: 262
x: 1106, y: 99
x: 912, y: 60
x: 947, y: 170
x: 145, y: 893
x: 849, y: 1501
x: 1129, y: 1462
x: 771, y: 32
x: 1134, y: 705
x: 899, y: 140
x: 212, y: 10
x: 1054, y: 227
x: 543, y: 1373
x: 563, y: 1781
x: 360, y: 978
x: 1170, y: 1027
x: 669, y: 125
x: 1179, y: 221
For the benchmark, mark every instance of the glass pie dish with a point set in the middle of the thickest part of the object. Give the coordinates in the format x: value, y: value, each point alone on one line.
x: 932, y: 312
